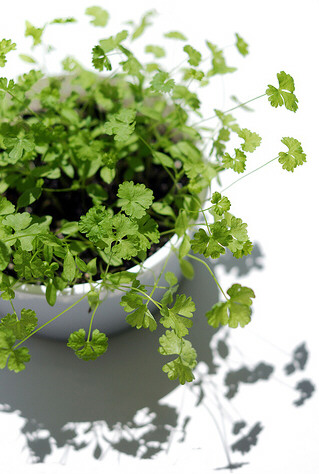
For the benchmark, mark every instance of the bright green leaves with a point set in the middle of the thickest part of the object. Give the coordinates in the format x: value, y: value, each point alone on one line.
x: 175, y: 35
x: 158, y: 51
x: 220, y: 203
x: 18, y: 221
x: 212, y: 244
x: 284, y: 95
x: 124, y: 236
x: 145, y: 22
x: 121, y: 125
x: 251, y: 140
x: 134, y: 199
x: 95, y: 223
x: 6, y: 207
x: 88, y: 349
x: 22, y: 327
x: 17, y: 146
x: 16, y: 358
x: 181, y: 367
x: 162, y: 83
x: 11, y: 329
x: 113, y: 42
x: 235, y: 311
x: 5, y: 47
x: 241, y: 45
x: 35, y: 33
x: 194, y: 56
x: 295, y: 155
x: 100, y: 16
x: 99, y: 59
x: 141, y: 315
x: 218, y: 61
x: 237, y: 162
x: 177, y: 317
x: 69, y: 267
x: 229, y: 232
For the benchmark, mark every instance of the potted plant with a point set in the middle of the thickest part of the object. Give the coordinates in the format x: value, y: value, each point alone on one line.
x: 102, y: 180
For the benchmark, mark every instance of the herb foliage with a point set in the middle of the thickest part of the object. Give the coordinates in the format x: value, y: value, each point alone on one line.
x: 122, y: 127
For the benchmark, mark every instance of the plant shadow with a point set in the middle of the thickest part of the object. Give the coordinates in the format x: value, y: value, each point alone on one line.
x: 115, y: 401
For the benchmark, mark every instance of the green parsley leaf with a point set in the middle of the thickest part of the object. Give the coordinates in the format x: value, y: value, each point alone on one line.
x: 220, y: 203
x: 50, y: 293
x: 69, y: 267
x: 5, y: 47
x: 181, y: 224
x: 236, y: 310
x: 175, y: 35
x: 284, y: 94
x: 241, y: 45
x: 252, y: 140
x: 99, y: 59
x: 113, y: 42
x: 194, y: 56
x: 4, y: 256
x: 22, y: 327
x: 176, y: 317
x: 35, y: 33
x: 96, y: 223
x: 191, y: 73
x: 121, y: 125
x: 141, y: 316
x: 182, y: 366
x: 219, y: 61
x: 88, y: 350
x: 238, y: 163
x: 6, y: 207
x: 187, y: 269
x: 161, y: 82
x: 135, y: 199
x: 28, y: 59
x: 18, y: 221
x: 16, y: 358
x: 158, y: 51
x: 63, y: 21
x: 100, y: 16
x: 28, y: 197
x: 212, y: 244
x: 17, y: 146
x: 139, y: 30
x: 185, y: 247
x: 295, y: 155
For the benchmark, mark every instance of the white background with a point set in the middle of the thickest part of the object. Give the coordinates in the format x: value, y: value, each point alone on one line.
x: 281, y: 211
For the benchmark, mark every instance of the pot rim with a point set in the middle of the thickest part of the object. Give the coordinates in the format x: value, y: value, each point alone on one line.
x: 81, y: 288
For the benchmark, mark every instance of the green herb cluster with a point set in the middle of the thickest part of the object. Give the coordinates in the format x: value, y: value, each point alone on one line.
x: 120, y: 139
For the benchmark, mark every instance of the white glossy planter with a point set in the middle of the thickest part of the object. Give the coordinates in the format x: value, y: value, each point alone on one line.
x: 110, y: 316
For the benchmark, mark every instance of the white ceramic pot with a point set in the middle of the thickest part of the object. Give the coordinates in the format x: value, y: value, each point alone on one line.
x: 110, y: 316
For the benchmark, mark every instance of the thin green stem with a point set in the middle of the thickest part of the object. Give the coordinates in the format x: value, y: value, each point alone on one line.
x: 91, y: 322
x: 50, y: 190
x: 159, y: 276
x: 229, y: 110
x: 210, y: 271
x: 48, y: 322
x: 251, y: 172
x: 12, y: 306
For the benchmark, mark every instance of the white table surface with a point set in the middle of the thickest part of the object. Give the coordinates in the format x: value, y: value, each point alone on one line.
x: 254, y: 403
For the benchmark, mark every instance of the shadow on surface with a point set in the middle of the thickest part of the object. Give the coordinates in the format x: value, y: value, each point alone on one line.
x: 115, y: 401
x: 57, y: 392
